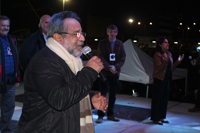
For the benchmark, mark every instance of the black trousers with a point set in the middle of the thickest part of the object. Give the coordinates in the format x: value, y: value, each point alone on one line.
x: 111, y: 85
x: 7, y: 110
x: 159, y: 99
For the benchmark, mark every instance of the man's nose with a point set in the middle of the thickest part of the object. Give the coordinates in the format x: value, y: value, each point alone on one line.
x: 82, y: 38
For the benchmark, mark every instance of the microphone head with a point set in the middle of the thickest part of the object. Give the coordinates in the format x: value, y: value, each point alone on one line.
x: 85, y: 50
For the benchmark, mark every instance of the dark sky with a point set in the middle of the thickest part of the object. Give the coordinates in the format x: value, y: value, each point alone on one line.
x: 23, y: 16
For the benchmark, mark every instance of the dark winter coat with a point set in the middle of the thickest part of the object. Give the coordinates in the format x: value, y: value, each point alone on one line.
x: 31, y: 46
x: 104, y: 50
x: 52, y: 95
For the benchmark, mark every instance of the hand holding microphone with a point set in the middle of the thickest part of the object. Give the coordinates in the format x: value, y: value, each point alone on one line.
x: 167, y: 56
x: 193, y: 61
x: 94, y: 62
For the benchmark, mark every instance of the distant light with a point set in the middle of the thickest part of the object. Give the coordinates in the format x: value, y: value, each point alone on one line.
x: 194, y: 23
x: 96, y: 40
x: 198, y: 43
x: 64, y: 0
x: 130, y: 20
x: 139, y: 23
x: 188, y: 28
x: 175, y: 42
x: 199, y: 30
x: 153, y: 41
x: 150, y: 23
x: 134, y: 41
x: 198, y: 49
x: 181, y: 23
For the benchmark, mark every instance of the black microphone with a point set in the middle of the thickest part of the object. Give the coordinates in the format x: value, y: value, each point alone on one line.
x: 88, y: 53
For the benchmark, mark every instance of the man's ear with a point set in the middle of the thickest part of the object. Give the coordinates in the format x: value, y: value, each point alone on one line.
x: 58, y: 38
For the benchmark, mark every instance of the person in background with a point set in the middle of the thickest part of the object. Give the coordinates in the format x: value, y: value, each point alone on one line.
x: 163, y: 66
x: 112, y: 53
x: 196, y: 62
x: 57, y: 85
x: 34, y: 43
x: 9, y: 74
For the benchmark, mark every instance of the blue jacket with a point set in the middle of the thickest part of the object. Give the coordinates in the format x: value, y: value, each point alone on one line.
x: 13, y: 46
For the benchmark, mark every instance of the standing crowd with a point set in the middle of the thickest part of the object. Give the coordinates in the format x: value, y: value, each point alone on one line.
x: 57, y: 85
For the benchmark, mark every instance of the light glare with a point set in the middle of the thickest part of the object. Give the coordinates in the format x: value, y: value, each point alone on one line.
x: 130, y: 20
x: 175, y: 42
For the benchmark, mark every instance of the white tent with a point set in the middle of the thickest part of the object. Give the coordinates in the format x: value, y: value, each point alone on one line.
x: 138, y: 67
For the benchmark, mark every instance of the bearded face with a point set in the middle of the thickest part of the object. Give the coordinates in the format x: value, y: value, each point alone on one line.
x: 73, y: 50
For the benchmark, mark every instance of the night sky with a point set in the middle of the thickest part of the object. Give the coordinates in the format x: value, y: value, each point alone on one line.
x: 23, y: 17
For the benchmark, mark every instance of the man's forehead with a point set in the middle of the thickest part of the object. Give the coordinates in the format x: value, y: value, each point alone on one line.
x: 4, y: 22
x: 46, y: 18
x: 72, y: 24
x: 71, y: 21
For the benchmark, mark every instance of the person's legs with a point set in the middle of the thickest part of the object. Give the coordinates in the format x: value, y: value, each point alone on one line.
x: 7, y: 109
x: 103, y: 87
x: 164, y: 102
x: 156, y: 100
x: 114, y: 84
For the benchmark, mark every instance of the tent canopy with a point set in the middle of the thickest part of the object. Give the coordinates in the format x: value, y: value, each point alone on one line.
x: 138, y: 66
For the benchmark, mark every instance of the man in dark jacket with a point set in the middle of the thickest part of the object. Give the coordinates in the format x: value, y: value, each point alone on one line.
x: 34, y: 43
x: 9, y: 74
x: 111, y: 51
x: 57, y: 85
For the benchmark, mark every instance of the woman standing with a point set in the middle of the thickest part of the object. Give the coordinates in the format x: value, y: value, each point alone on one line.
x: 163, y: 66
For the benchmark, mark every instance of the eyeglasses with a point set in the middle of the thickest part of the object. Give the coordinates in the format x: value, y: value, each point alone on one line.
x: 112, y: 31
x: 78, y: 34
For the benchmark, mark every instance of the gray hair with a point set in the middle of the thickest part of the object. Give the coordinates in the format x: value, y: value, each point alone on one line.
x: 2, y: 17
x: 112, y: 27
x: 57, y: 22
x: 41, y: 19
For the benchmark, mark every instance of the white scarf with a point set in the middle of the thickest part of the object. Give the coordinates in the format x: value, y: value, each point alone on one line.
x: 75, y: 64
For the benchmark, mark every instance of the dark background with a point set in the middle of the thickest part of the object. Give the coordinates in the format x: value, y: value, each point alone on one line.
x: 25, y: 15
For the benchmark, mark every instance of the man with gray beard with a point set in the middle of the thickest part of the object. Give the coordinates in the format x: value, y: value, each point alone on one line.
x: 57, y: 85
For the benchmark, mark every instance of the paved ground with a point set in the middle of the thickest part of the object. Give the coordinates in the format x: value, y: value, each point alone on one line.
x: 181, y: 121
